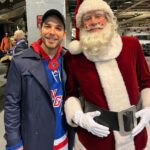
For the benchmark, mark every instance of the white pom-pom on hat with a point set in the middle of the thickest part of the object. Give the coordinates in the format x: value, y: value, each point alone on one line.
x: 74, y: 47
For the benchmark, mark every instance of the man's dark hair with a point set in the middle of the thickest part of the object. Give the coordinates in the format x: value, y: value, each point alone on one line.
x: 53, y: 12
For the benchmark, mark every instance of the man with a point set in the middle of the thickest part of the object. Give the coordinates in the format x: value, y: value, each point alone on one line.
x: 21, y: 44
x: 5, y: 43
x: 34, y: 119
x: 106, y: 74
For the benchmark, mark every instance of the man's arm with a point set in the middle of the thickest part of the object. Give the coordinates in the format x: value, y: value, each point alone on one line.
x: 12, y: 106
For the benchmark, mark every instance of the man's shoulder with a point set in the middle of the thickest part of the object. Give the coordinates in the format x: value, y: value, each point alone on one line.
x: 21, y: 53
x: 25, y: 54
x: 25, y: 58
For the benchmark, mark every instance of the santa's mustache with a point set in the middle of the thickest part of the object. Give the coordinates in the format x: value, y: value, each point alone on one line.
x: 92, y: 27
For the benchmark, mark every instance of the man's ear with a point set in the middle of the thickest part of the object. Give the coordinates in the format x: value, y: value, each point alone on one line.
x: 40, y: 28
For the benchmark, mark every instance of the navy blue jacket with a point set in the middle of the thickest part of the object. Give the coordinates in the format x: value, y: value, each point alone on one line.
x: 29, y: 114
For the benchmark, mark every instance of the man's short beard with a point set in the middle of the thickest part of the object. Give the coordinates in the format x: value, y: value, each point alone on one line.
x: 94, y: 42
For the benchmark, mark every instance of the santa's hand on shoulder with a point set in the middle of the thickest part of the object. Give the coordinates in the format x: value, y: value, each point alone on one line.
x: 86, y: 121
x: 144, y: 115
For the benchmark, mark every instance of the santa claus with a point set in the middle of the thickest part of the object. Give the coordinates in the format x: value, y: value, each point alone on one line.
x: 106, y: 73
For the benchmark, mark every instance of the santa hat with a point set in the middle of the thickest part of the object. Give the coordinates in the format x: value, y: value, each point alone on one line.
x: 90, y: 5
x: 84, y: 6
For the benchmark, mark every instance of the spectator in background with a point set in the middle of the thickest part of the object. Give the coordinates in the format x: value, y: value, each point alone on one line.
x: 5, y: 43
x: 7, y: 57
x: 17, y: 44
x: 21, y: 44
x: 12, y: 46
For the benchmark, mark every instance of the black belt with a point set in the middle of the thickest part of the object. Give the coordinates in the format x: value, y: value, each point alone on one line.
x: 123, y: 121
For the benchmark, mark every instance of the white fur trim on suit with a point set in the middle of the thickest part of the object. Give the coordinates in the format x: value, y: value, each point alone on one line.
x: 72, y: 104
x: 89, y: 5
x: 145, y: 97
x: 116, y: 96
x: 113, y: 85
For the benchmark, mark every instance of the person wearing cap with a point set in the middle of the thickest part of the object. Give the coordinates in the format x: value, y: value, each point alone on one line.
x: 33, y: 111
x: 107, y: 79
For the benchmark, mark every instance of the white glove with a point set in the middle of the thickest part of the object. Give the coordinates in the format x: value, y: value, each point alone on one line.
x: 144, y: 115
x: 85, y: 120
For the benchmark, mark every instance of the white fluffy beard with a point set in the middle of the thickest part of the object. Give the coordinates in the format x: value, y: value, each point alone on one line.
x: 96, y: 43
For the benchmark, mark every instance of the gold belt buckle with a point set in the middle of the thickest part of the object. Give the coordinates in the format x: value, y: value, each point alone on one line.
x: 121, y: 120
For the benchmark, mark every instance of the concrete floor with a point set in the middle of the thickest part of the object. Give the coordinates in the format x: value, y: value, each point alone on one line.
x: 3, y: 69
x: 2, y: 141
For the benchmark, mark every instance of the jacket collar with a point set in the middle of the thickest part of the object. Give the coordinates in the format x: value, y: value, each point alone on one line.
x: 30, y: 54
x: 39, y: 74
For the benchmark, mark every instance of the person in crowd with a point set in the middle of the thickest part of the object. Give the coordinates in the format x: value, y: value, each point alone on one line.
x: 33, y: 111
x: 21, y: 44
x: 17, y: 44
x: 5, y: 43
x: 107, y: 79
x: 12, y: 46
x: 7, y: 57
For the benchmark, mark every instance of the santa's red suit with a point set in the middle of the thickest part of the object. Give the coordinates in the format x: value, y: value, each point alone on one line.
x: 111, y: 80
